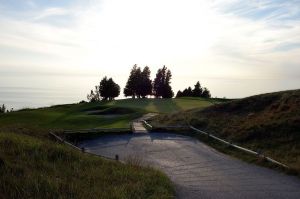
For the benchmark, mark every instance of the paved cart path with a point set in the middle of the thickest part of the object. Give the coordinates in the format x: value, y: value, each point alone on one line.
x: 197, y: 170
x: 138, y: 126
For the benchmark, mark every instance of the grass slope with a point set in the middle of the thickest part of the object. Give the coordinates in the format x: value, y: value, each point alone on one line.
x: 269, y: 123
x: 34, y: 166
x: 114, y: 114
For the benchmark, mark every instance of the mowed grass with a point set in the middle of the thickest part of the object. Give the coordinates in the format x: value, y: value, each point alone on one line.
x: 40, y: 168
x: 166, y: 105
x: 93, y: 115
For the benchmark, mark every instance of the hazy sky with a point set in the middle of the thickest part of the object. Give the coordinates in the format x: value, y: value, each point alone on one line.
x: 234, y: 47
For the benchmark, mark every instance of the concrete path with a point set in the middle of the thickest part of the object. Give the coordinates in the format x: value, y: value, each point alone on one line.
x: 138, y: 126
x: 197, y: 170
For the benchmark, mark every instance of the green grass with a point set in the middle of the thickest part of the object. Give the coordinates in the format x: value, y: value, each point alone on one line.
x: 165, y: 105
x: 269, y: 123
x: 34, y: 166
x: 92, y: 115
x: 39, y: 168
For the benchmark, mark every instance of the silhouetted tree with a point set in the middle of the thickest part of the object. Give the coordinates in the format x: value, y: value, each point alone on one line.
x: 145, y: 86
x: 128, y: 92
x: 190, y: 92
x: 139, y: 83
x: 206, y: 93
x: 2, y: 109
x: 133, y: 85
x: 179, y: 94
x: 114, y: 89
x: 157, y: 84
x: 107, y: 90
x: 197, y: 91
x: 161, y: 84
x: 168, y: 92
x: 94, y: 96
x: 185, y: 93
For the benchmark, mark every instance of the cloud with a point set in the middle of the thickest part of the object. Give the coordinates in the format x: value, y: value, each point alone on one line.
x: 50, y: 12
x: 262, y: 9
x: 217, y: 39
x: 287, y: 46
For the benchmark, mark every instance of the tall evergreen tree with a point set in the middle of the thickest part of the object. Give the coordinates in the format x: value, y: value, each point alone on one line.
x: 138, y: 84
x: 197, y: 91
x: 185, y: 93
x: 167, y: 91
x: 146, y: 83
x: 2, y: 109
x: 129, y: 89
x: 134, y: 85
x: 206, y: 93
x: 179, y: 94
x: 189, y: 92
x: 161, y: 85
x: 157, y: 84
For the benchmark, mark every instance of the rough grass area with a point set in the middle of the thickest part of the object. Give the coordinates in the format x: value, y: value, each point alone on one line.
x: 39, y: 168
x: 244, y: 156
x: 269, y: 123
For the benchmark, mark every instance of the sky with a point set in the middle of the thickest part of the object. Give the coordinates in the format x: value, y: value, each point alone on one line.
x: 235, y: 48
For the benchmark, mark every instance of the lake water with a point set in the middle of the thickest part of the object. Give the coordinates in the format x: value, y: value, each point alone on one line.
x: 39, y: 91
x: 23, y: 97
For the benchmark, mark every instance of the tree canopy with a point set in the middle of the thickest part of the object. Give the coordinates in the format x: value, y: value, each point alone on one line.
x: 161, y: 84
x: 198, y: 91
x: 2, y: 109
x: 139, y: 83
x: 107, y: 90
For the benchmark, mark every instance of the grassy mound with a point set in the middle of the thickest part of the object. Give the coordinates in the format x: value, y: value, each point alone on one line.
x: 74, y: 116
x: 92, y: 115
x: 33, y: 167
x: 269, y: 123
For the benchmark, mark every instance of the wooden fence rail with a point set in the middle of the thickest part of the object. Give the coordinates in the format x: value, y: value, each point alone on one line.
x: 82, y: 149
x: 249, y: 151
x: 242, y: 148
x: 95, y: 130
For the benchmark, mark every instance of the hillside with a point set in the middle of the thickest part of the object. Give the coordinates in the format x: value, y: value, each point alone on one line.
x: 113, y: 114
x: 32, y: 165
x: 269, y: 123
